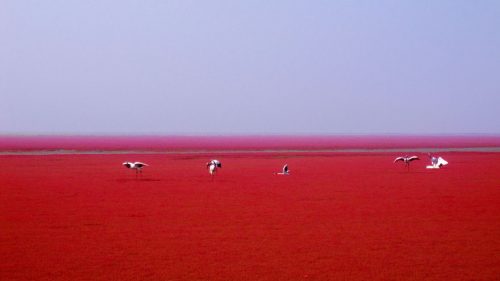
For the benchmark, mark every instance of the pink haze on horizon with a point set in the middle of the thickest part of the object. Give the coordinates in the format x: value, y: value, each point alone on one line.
x: 240, y: 142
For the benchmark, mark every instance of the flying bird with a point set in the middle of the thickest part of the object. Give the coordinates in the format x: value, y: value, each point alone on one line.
x: 135, y: 165
x: 213, y: 166
x: 436, y: 162
x: 285, y: 171
x: 406, y: 159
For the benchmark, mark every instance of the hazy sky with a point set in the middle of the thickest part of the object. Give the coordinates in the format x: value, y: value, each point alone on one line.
x: 249, y: 67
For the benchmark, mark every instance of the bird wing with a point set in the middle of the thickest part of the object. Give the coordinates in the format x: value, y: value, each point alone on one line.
x: 399, y: 159
x: 441, y: 161
x: 127, y: 164
x: 413, y: 158
x: 140, y: 164
x: 285, y: 168
x: 216, y: 163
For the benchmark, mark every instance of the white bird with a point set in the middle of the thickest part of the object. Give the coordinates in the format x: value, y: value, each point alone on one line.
x: 436, y: 162
x: 213, y: 165
x: 135, y: 165
x: 285, y: 171
x: 406, y: 159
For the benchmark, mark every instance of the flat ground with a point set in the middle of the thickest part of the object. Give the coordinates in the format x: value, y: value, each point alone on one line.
x: 344, y: 216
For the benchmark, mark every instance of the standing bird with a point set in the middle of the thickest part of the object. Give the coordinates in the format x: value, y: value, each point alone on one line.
x: 406, y: 159
x: 213, y: 165
x: 285, y: 171
x: 436, y: 162
x: 135, y: 165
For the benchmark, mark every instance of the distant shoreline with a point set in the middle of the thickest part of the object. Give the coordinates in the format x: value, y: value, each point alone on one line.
x: 264, y: 151
x: 44, y: 145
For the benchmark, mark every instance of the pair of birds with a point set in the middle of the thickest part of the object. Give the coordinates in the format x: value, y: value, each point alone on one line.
x: 215, y: 164
x: 436, y: 162
x: 138, y: 166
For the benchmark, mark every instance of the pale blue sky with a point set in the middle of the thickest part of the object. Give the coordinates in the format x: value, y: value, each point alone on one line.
x: 249, y: 67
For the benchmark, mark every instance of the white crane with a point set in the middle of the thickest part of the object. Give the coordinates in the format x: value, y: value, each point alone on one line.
x: 137, y: 166
x: 213, y: 165
x: 285, y: 171
x: 436, y: 162
x: 406, y: 159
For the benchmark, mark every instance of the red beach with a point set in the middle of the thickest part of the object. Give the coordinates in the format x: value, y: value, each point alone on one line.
x: 70, y: 211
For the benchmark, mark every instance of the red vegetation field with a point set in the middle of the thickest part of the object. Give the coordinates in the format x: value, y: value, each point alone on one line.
x: 339, y: 216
